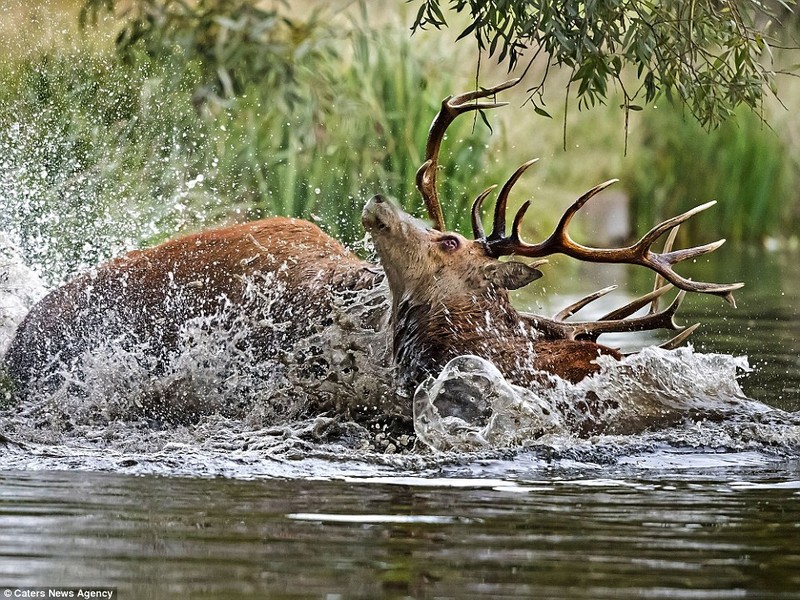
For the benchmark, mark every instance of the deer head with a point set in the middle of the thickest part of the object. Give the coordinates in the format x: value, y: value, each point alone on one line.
x: 449, y: 295
x: 437, y: 265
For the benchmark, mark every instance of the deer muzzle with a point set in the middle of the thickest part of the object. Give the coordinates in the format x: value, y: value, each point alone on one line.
x: 381, y: 216
x: 377, y: 214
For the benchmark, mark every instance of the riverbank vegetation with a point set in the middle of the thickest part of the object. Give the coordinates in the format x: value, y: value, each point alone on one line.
x: 136, y: 126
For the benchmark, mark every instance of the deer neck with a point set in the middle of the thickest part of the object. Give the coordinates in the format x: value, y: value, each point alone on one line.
x: 428, y: 332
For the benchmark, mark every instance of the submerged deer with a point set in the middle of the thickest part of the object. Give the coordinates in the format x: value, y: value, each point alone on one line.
x: 449, y: 295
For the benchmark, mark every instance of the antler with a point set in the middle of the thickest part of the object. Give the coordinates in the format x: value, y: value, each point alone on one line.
x: 639, y: 253
x: 614, y: 322
x: 452, y: 106
x: 617, y: 321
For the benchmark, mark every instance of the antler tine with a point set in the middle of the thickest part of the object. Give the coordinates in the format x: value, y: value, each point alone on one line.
x: 618, y: 318
x: 560, y: 236
x: 662, y: 263
x: 500, y: 207
x: 558, y: 241
x: 639, y: 253
x: 591, y: 330
x: 634, y: 305
x: 484, y: 92
x: 477, y: 225
x: 560, y: 232
x: 676, y: 341
x: 656, y: 232
x: 664, y: 319
x: 570, y: 310
x: 659, y: 280
x: 452, y: 106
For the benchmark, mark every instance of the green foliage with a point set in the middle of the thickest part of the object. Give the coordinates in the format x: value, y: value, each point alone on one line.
x: 108, y: 151
x: 742, y: 164
x: 282, y: 76
x: 234, y: 42
x: 359, y: 132
x: 704, y: 54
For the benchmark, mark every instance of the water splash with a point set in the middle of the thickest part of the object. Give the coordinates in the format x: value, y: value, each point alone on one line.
x: 222, y: 403
x: 20, y: 288
x: 689, y: 397
x: 73, y: 194
x: 471, y: 406
x: 239, y: 362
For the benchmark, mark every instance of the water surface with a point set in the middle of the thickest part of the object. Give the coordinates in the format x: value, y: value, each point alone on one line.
x: 712, y: 530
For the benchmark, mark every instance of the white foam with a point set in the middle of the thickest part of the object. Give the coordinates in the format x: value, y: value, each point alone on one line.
x: 471, y: 405
x: 20, y: 289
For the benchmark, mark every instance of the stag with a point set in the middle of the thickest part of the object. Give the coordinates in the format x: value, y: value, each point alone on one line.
x: 449, y: 294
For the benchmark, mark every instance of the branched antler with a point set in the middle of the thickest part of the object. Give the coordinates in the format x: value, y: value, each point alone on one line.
x: 498, y: 243
x: 618, y: 320
x: 615, y: 322
x: 639, y: 253
x: 452, y: 106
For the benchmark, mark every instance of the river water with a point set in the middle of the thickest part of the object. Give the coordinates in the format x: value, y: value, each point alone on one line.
x: 701, y: 510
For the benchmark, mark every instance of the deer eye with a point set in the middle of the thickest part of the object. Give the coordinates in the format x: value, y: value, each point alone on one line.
x: 449, y: 243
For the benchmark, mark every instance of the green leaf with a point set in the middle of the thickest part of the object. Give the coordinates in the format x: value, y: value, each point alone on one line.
x: 485, y: 120
x: 470, y: 28
x: 419, y: 19
x: 434, y: 6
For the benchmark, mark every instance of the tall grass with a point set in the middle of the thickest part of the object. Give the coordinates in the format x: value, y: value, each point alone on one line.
x: 743, y: 164
x: 360, y: 132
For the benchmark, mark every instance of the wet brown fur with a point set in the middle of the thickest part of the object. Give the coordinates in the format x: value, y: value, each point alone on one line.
x: 427, y: 336
x: 442, y: 308
x: 151, y: 293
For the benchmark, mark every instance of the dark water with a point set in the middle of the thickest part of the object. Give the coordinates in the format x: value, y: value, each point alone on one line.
x: 649, y: 517
x: 623, y: 532
x: 764, y: 326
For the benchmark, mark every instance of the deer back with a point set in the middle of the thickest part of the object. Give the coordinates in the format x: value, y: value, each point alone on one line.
x: 148, y: 295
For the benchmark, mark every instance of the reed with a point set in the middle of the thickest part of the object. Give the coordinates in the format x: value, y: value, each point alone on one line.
x: 362, y: 132
x: 743, y: 164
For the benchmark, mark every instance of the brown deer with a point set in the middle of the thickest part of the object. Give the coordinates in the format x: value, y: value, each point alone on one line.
x: 449, y: 295
x: 147, y: 296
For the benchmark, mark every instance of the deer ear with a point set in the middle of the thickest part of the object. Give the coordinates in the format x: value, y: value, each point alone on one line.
x: 511, y: 274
